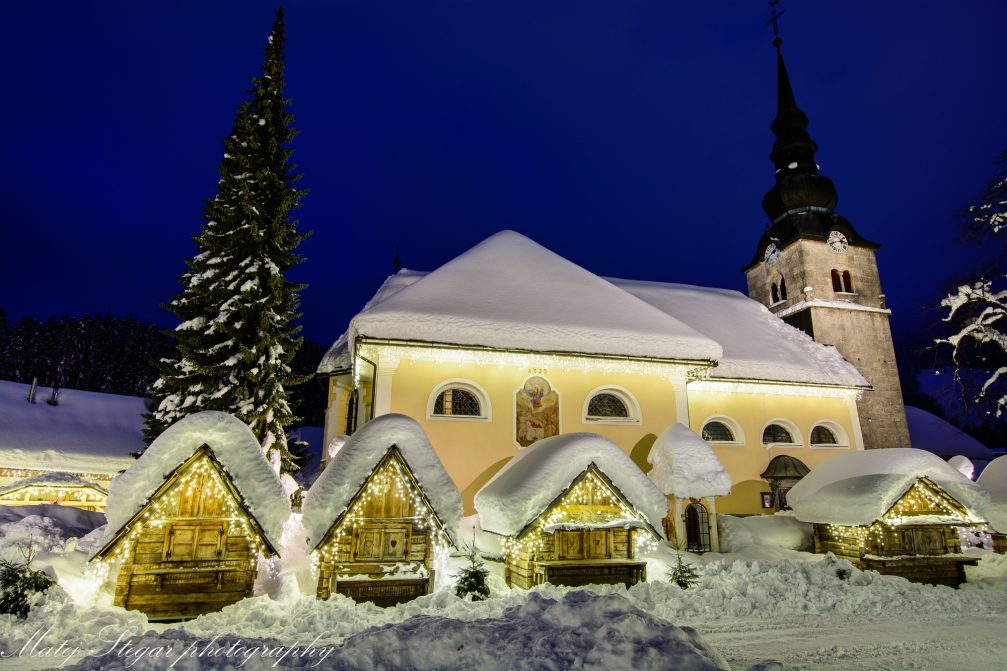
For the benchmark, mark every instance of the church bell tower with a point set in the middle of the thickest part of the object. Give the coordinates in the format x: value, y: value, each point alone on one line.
x: 816, y: 272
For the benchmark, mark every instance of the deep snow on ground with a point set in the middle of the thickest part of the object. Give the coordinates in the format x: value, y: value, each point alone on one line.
x: 757, y: 603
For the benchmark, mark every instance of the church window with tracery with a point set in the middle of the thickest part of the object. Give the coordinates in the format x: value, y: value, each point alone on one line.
x: 457, y: 402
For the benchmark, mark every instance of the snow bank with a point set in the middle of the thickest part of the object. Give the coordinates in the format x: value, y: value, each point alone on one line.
x: 994, y: 480
x: 87, y: 432
x: 933, y: 434
x: 233, y: 445
x: 51, y: 479
x: 509, y: 292
x: 346, y: 473
x: 685, y: 466
x: 529, y: 482
x: 963, y: 465
x: 781, y: 530
x: 858, y: 488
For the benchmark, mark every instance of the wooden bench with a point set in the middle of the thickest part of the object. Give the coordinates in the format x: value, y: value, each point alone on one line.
x: 572, y: 573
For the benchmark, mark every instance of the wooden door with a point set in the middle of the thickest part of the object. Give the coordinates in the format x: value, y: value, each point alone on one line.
x: 929, y: 541
x: 381, y: 543
x: 597, y: 544
x: 193, y: 542
x: 569, y: 545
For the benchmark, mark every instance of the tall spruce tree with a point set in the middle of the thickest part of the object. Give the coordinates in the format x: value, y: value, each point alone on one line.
x: 236, y: 338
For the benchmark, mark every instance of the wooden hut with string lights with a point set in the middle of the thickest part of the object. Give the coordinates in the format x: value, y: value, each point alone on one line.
x: 573, y: 510
x: 54, y: 488
x: 382, y: 516
x: 895, y: 511
x: 189, y: 521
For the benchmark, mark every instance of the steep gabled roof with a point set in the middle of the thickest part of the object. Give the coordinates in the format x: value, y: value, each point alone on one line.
x: 509, y: 292
x: 235, y: 449
x: 858, y: 488
x: 530, y: 482
x: 350, y: 468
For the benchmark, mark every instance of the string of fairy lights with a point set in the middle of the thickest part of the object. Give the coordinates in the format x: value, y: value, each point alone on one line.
x: 21, y: 473
x: 590, y: 490
x: 389, y: 478
x: 202, y: 478
x: 54, y: 494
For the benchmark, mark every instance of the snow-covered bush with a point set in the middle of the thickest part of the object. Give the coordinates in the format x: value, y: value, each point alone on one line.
x: 18, y: 582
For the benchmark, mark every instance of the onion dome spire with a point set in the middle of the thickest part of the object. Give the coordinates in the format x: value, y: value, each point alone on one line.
x: 798, y: 186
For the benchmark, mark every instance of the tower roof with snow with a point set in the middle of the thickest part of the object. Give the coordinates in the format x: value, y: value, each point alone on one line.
x: 685, y: 466
x: 530, y: 482
x: 333, y: 490
x: 858, y: 488
x: 493, y: 295
x: 87, y: 432
x: 235, y: 448
x: 509, y: 292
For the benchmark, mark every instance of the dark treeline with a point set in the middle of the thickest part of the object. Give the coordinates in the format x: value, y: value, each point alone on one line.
x: 100, y: 353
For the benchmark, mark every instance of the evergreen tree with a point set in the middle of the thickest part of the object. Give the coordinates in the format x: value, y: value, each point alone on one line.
x: 236, y: 338
x: 472, y: 578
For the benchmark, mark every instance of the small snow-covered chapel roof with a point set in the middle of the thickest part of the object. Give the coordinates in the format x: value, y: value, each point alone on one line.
x: 757, y: 345
x: 509, y: 292
x: 232, y: 444
x: 858, y: 488
x: 523, y: 489
x: 349, y: 469
x: 933, y: 434
x: 685, y: 466
x: 88, y: 432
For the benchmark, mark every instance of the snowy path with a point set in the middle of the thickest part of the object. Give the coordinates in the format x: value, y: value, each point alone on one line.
x: 955, y: 643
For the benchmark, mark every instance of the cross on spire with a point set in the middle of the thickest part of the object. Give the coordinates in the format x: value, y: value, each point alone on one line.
x: 774, y: 20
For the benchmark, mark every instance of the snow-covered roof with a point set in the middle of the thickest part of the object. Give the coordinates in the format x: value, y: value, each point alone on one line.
x: 233, y: 445
x: 51, y: 479
x: 509, y: 292
x: 858, y: 488
x: 493, y: 295
x: 348, y: 470
x: 757, y: 345
x: 933, y: 434
x: 685, y: 466
x: 88, y: 432
x: 522, y: 490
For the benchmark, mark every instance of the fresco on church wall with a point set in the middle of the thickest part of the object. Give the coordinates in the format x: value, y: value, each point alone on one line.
x: 536, y: 411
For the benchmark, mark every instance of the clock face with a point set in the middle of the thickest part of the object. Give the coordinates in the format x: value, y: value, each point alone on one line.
x: 838, y: 242
x: 772, y: 254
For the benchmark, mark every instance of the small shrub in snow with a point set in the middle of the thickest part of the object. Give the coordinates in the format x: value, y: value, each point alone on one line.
x: 472, y: 578
x: 682, y: 574
x: 17, y: 583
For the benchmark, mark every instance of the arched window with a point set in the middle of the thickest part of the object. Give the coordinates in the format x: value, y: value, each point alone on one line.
x: 607, y: 405
x: 717, y: 432
x: 837, y: 284
x: 611, y: 404
x: 783, y: 289
x: 697, y: 528
x: 847, y: 282
x: 777, y: 433
x: 458, y: 399
x: 828, y: 434
x: 775, y: 293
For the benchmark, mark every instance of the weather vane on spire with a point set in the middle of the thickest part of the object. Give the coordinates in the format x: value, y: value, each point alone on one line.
x: 774, y: 18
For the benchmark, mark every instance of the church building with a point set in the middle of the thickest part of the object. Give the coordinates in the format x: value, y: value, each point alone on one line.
x: 510, y: 343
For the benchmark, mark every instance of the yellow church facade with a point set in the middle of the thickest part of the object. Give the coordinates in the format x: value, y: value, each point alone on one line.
x: 488, y: 361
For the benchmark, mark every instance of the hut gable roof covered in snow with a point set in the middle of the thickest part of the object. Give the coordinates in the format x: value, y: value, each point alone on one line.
x: 933, y: 434
x: 509, y: 292
x: 87, y: 432
x: 235, y: 448
x: 525, y: 487
x: 349, y: 469
x: 858, y: 488
x: 685, y: 466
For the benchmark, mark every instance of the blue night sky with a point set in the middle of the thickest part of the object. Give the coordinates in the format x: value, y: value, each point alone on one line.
x: 629, y: 136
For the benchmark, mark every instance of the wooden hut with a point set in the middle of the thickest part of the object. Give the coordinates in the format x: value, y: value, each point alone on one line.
x: 189, y: 521
x: 382, y: 516
x: 895, y: 511
x: 63, y: 489
x: 573, y: 510
x: 688, y: 472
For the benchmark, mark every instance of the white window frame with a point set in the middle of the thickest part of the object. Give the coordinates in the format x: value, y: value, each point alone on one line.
x: 789, y: 426
x: 486, y: 410
x: 837, y: 431
x: 624, y: 395
x: 739, y: 435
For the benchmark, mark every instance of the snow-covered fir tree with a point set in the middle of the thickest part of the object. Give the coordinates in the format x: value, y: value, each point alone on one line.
x: 237, y: 338
x: 978, y: 310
